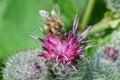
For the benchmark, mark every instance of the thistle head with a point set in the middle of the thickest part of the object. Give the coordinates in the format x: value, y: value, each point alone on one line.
x: 111, y: 50
x: 66, y: 50
x: 25, y: 66
x: 106, y: 61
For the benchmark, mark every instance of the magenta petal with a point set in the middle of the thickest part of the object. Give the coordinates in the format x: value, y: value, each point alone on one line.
x: 49, y: 56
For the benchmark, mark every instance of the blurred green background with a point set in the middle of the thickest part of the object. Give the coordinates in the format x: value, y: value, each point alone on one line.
x: 20, y: 17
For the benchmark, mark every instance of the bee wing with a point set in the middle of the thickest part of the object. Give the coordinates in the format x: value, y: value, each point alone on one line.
x: 45, y: 15
x: 55, y: 13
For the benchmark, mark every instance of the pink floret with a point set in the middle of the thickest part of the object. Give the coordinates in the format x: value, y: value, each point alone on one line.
x: 64, y: 51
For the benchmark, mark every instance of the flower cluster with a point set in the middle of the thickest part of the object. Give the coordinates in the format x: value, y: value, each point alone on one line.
x: 25, y: 66
x: 106, y: 61
x: 65, y: 50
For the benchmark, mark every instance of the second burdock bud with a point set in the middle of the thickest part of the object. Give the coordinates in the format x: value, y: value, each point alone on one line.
x: 106, y: 61
x: 25, y: 65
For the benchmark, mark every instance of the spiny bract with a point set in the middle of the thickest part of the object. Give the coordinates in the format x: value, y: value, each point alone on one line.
x: 66, y: 50
x: 25, y: 66
x: 106, y: 61
x: 63, y: 53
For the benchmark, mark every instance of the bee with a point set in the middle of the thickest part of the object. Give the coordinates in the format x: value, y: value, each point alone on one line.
x: 54, y: 24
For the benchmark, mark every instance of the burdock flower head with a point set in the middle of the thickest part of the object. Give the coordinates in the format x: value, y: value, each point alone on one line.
x: 62, y: 50
x: 66, y: 50
x: 25, y: 66
x: 106, y: 60
x: 60, y: 47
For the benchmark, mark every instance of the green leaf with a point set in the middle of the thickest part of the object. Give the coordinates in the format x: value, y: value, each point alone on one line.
x: 17, y: 19
x: 20, y: 17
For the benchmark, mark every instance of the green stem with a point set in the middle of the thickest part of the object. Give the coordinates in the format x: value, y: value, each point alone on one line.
x: 87, y: 14
x: 102, y: 25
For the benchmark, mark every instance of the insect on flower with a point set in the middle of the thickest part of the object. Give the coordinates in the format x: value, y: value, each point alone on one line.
x: 61, y: 51
x: 54, y: 24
